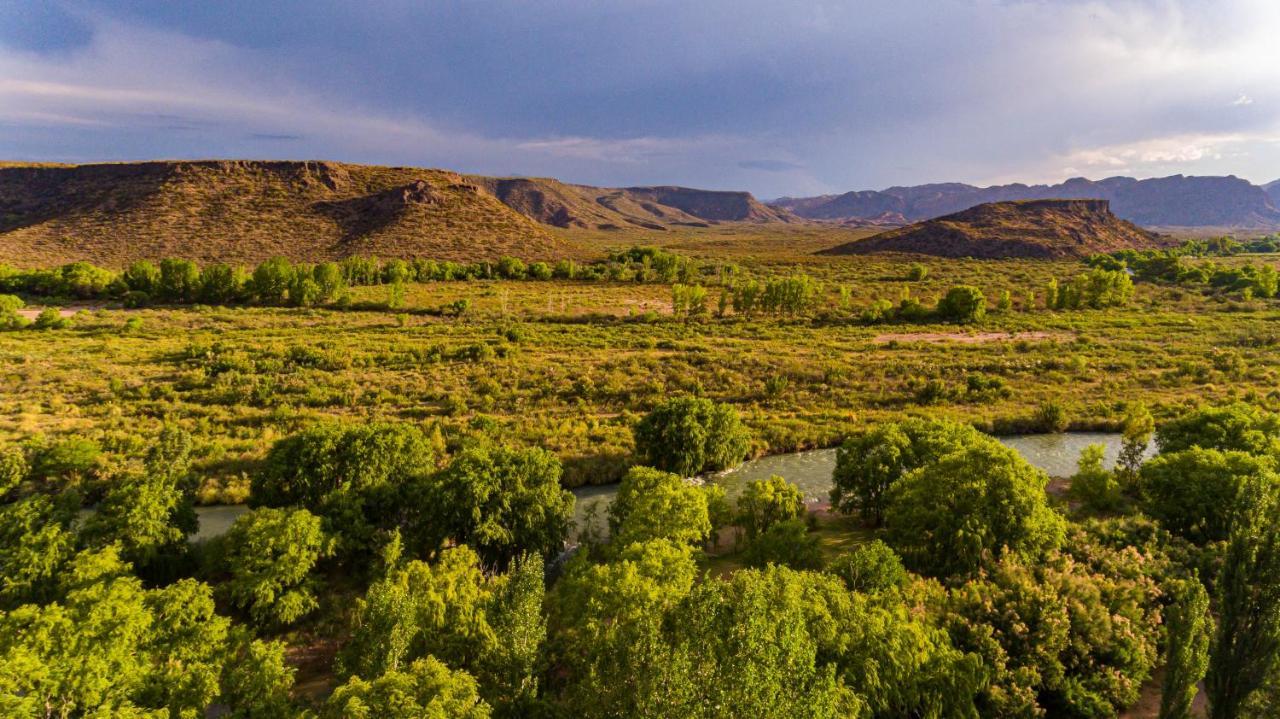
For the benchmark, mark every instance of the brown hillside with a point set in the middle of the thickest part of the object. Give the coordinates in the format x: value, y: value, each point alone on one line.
x: 561, y: 204
x: 246, y: 211
x: 1029, y: 228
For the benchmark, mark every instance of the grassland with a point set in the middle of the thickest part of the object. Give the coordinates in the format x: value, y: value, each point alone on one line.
x: 569, y: 365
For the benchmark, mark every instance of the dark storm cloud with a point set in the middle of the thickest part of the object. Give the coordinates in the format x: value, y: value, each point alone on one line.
x: 852, y: 94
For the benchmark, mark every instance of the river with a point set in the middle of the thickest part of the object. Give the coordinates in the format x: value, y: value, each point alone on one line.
x: 811, y: 471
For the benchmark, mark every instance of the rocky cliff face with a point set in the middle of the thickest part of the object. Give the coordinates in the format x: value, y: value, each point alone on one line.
x: 1028, y: 228
x: 1176, y: 201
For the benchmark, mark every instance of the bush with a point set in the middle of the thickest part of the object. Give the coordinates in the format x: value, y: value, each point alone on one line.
x: 917, y: 272
x: 1240, y: 427
x: 50, y: 318
x: 9, y: 317
x: 179, y: 281
x: 689, y: 435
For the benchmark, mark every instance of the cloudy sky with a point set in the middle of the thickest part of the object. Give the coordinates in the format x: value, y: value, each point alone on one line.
x: 775, y: 97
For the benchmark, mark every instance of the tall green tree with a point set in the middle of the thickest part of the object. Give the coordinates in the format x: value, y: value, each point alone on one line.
x: 868, y: 464
x: 502, y: 502
x: 268, y: 555
x: 689, y: 435
x: 426, y: 689
x: 969, y: 508
x: 765, y: 502
x: 1246, y: 645
x: 652, y: 504
x: 1190, y: 627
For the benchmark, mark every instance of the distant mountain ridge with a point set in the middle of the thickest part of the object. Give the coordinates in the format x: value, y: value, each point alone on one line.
x: 1020, y: 228
x: 1176, y: 201
x: 562, y: 204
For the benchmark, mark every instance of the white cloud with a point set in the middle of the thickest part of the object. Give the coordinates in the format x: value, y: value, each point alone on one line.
x: 1242, y: 100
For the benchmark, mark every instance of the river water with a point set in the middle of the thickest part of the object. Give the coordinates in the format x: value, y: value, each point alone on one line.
x: 1056, y: 454
x: 811, y: 471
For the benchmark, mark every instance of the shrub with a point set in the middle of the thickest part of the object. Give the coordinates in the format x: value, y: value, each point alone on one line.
x: 1193, y: 493
x: 1092, y: 484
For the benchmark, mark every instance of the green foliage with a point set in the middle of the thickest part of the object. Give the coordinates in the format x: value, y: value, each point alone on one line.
x: 512, y: 269
x: 50, y: 318
x: 148, y: 514
x: 651, y: 504
x: 1136, y: 432
x: 1093, y: 485
x: 491, y: 626
x: 1071, y: 636
x: 964, y: 304
x: 13, y: 469
x: 765, y: 502
x: 426, y: 689
x: 1239, y: 427
x: 1246, y: 645
x: 141, y: 276
x: 221, y: 284
x: 689, y: 435
x: 1193, y: 493
x: 9, y: 317
x: 352, y: 475
x: 271, y: 281
x: 109, y: 647
x: 787, y: 543
x: 329, y: 281
x: 1186, y: 656
x: 868, y: 464
x: 268, y: 555
x: 688, y: 301
x: 1095, y: 289
x: 968, y: 509
x: 36, y: 541
x: 1051, y: 417
x: 256, y: 679
x: 502, y: 503
x: 917, y: 272
x: 871, y: 567
x: 179, y: 281
x: 70, y: 459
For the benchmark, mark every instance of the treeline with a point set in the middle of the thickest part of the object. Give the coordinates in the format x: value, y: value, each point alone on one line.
x: 282, y: 283
x: 1174, y: 267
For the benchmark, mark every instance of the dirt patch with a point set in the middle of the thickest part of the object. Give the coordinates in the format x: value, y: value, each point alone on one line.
x: 33, y: 312
x: 969, y: 337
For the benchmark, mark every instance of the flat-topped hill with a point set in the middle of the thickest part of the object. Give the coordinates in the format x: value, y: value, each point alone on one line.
x: 1026, y: 228
x: 563, y: 204
x: 246, y: 211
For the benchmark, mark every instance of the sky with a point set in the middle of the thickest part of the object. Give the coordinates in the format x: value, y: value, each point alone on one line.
x: 780, y: 98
